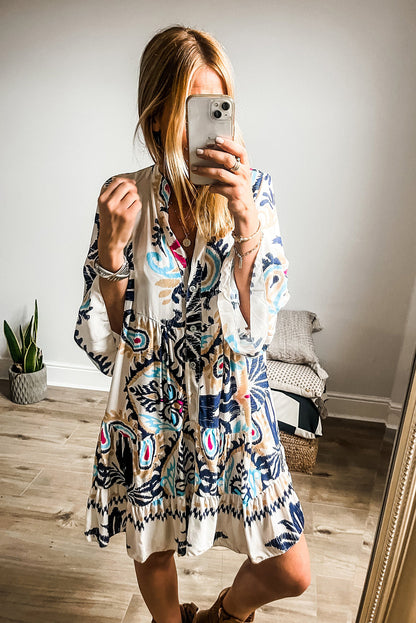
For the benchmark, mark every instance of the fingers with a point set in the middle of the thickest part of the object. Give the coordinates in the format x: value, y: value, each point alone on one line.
x: 223, y: 158
x: 234, y: 185
x: 111, y: 184
x: 230, y: 146
x: 129, y: 201
x: 222, y: 189
x: 224, y: 154
x: 242, y: 177
x: 119, y: 192
x: 117, y: 183
x: 223, y: 176
x: 118, y: 204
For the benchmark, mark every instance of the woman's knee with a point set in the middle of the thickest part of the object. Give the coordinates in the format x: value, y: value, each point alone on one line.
x: 289, y: 574
x: 295, y: 582
x: 298, y: 582
x: 297, y: 571
x: 298, y: 567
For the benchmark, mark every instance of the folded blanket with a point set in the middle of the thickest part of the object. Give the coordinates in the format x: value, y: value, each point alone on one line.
x: 298, y: 379
x: 296, y: 415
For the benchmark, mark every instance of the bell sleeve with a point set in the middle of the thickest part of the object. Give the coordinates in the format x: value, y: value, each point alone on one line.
x: 93, y: 331
x: 268, y: 286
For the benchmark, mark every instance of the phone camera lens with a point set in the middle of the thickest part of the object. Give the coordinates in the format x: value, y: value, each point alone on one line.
x: 225, y: 105
x: 217, y: 114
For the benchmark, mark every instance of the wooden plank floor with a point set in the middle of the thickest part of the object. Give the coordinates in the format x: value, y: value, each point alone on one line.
x: 51, y: 574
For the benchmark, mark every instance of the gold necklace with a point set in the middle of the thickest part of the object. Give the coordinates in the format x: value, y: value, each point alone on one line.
x: 186, y: 241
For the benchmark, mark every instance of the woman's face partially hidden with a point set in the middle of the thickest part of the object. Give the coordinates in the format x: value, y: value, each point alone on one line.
x: 205, y: 81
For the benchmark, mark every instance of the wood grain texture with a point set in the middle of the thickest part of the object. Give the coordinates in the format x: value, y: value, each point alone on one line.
x: 50, y: 573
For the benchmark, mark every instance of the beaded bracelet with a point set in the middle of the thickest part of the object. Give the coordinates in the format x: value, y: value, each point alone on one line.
x: 241, y: 255
x: 242, y: 238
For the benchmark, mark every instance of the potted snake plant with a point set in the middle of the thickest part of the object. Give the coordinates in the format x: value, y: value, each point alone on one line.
x: 27, y: 374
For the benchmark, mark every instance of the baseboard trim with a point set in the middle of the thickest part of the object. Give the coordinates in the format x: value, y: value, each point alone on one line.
x: 64, y: 375
x: 365, y: 408
x: 348, y: 406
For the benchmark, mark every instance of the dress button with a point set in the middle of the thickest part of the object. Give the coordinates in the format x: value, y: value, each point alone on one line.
x: 193, y: 328
x: 192, y: 288
x: 192, y: 364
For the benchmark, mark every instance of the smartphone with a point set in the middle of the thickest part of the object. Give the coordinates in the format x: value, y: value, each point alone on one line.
x: 207, y: 116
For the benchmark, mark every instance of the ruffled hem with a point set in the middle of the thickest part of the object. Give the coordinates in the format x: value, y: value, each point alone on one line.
x: 268, y: 525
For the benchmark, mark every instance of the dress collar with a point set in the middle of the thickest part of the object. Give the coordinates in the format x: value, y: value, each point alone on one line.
x: 162, y: 191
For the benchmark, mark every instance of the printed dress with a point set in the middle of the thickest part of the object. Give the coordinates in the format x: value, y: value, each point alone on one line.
x: 188, y: 454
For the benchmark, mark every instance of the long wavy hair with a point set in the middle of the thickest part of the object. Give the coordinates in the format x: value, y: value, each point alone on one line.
x: 167, y: 67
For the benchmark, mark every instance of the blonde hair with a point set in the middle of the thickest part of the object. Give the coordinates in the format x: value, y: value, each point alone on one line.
x: 168, y: 64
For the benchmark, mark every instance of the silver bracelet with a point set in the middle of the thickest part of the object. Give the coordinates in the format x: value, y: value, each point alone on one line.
x: 242, y: 238
x: 121, y: 273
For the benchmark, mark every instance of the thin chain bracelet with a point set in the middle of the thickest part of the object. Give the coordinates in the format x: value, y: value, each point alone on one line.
x: 242, y: 238
x: 241, y: 255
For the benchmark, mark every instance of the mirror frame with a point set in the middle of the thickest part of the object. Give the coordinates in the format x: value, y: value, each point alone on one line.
x: 396, y: 522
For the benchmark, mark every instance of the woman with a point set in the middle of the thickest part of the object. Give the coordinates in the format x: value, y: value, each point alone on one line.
x: 182, y: 288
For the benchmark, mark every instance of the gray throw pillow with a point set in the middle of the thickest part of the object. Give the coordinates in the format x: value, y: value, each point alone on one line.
x: 292, y: 341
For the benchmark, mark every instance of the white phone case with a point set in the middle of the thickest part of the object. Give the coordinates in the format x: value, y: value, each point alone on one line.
x: 207, y: 116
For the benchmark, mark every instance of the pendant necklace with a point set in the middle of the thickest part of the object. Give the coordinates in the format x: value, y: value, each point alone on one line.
x: 186, y: 241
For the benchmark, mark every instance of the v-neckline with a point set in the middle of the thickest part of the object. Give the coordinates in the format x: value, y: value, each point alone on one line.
x: 179, y: 253
x: 174, y: 221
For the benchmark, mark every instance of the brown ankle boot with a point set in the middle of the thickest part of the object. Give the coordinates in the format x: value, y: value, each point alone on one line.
x: 217, y: 614
x: 188, y: 611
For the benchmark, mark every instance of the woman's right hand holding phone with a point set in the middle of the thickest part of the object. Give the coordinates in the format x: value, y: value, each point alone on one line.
x: 118, y: 204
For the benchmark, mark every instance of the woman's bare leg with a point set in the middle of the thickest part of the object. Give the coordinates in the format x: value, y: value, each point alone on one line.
x: 286, y: 575
x: 158, y: 583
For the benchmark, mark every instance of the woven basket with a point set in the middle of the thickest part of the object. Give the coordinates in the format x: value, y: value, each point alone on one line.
x: 300, y: 453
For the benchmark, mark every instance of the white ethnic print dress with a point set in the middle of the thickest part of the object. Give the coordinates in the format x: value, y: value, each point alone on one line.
x: 188, y: 453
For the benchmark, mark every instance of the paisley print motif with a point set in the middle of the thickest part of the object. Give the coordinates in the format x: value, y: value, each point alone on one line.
x: 188, y: 454
x: 210, y: 442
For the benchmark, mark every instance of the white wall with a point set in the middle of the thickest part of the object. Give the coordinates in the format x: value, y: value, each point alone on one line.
x: 326, y: 99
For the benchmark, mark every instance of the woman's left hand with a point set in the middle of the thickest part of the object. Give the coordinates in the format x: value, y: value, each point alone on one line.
x: 234, y: 185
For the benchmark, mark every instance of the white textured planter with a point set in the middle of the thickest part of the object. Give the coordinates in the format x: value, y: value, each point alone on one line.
x: 27, y: 387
